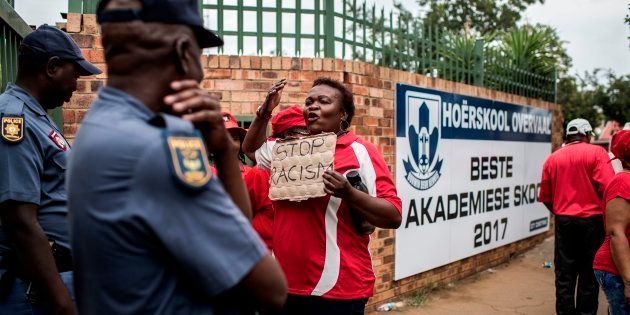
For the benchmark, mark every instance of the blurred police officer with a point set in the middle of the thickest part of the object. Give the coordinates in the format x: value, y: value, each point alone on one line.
x: 154, y: 232
x: 35, y: 260
x: 573, y: 182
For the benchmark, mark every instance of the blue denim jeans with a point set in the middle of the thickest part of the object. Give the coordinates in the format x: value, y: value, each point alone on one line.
x: 612, y: 285
x: 16, y: 302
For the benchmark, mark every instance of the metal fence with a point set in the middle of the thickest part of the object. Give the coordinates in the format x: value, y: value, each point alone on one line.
x: 353, y: 30
x: 12, y: 30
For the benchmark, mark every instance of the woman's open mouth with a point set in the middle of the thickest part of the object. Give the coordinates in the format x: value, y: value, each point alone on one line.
x: 312, y: 117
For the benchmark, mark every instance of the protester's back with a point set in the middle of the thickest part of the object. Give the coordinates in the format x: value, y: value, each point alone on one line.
x: 578, y: 171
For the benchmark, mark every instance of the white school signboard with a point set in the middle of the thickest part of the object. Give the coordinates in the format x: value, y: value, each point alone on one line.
x: 468, y: 173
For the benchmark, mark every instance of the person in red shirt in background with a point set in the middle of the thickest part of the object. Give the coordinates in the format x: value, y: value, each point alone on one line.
x: 573, y: 182
x: 238, y: 134
x: 612, y: 261
x: 327, y: 262
x: 286, y: 124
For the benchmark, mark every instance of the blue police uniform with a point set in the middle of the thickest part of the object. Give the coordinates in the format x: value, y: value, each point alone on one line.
x: 150, y: 236
x: 32, y: 166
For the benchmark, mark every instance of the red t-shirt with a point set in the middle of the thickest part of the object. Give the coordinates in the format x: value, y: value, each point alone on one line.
x: 244, y: 169
x: 257, y: 182
x: 574, y: 178
x: 320, y: 253
x: 618, y: 187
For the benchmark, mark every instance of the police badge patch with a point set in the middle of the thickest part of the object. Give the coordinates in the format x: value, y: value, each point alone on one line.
x: 12, y: 128
x: 189, y: 160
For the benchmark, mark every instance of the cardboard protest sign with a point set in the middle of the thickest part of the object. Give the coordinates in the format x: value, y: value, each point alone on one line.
x: 297, y: 167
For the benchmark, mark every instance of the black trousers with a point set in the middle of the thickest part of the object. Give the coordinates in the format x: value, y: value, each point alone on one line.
x: 315, y: 305
x: 577, y: 241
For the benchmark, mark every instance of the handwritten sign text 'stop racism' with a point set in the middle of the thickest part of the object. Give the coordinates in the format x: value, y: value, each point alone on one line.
x: 297, y: 167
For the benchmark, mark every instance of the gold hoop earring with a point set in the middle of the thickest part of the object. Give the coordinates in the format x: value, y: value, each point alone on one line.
x: 341, y: 125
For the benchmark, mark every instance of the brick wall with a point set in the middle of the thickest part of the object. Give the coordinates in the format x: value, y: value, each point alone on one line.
x: 242, y: 83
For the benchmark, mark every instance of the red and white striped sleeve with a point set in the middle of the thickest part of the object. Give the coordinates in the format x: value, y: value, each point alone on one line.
x: 376, y: 174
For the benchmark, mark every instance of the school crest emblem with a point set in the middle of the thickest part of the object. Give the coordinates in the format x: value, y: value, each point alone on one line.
x: 12, y: 128
x: 423, y: 165
x: 189, y: 160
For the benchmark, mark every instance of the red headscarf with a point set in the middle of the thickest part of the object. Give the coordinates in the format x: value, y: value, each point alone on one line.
x: 287, y: 119
x: 230, y: 123
x: 620, y: 145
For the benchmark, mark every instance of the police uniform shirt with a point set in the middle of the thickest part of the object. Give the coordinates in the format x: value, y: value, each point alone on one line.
x: 143, y: 243
x: 33, y: 163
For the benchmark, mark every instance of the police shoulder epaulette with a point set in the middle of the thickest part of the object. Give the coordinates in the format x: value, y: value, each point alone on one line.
x: 13, y: 123
x: 186, y: 153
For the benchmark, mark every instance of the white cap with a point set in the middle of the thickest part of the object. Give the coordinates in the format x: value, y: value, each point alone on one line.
x: 578, y: 125
x: 626, y: 126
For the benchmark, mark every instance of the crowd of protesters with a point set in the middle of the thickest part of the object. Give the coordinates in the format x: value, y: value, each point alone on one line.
x: 591, y: 207
x: 168, y: 196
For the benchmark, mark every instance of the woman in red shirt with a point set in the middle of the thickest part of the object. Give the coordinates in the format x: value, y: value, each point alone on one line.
x: 327, y: 262
x: 612, y: 261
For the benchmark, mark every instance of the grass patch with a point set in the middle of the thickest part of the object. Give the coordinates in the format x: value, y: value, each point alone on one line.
x: 420, y: 297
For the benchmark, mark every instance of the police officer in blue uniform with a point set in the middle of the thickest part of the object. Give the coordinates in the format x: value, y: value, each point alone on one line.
x: 35, y: 260
x: 153, y: 230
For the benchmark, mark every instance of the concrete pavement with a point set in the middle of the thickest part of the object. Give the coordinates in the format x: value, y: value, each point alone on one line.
x: 521, y: 286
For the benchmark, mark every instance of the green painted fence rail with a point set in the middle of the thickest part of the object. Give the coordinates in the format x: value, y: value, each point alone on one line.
x: 12, y: 30
x: 353, y: 30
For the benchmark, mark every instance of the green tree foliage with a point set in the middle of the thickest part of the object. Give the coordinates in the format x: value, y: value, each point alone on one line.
x: 587, y: 97
x: 577, y: 96
x: 508, y: 55
x: 615, y: 102
x: 535, y: 48
x: 481, y: 16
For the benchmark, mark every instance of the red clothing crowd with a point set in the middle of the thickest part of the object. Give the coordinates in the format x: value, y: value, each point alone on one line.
x: 592, y: 221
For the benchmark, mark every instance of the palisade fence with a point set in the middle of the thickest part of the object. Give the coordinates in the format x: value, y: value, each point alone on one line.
x: 350, y: 30
x: 12, y: 30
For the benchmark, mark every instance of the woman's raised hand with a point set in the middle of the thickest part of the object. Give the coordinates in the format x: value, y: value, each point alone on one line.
x: 273, y: 96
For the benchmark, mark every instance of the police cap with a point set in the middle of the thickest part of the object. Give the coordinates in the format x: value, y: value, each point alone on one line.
x: 184, y: 12
x: 48, y: 41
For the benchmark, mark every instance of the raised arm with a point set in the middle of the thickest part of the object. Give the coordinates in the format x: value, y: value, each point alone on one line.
x: 256, y: 134
x: 194, y: 104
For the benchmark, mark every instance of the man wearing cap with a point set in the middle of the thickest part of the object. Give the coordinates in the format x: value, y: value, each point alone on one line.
x: 35, y: 259
x: 154, y: 231
x: 573, y: 182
